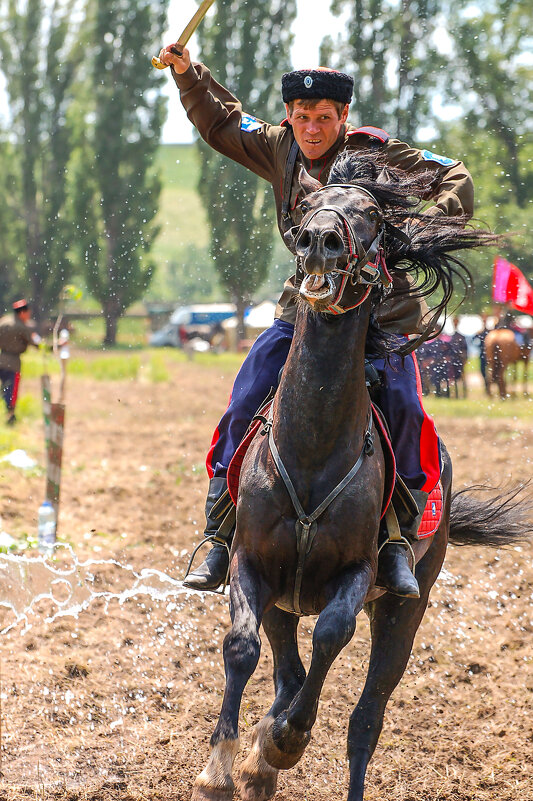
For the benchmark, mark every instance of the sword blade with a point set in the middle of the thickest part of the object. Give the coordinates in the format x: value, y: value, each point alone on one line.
x: 190, y: 28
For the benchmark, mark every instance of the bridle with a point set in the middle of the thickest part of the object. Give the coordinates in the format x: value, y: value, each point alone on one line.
x: 364, y: 266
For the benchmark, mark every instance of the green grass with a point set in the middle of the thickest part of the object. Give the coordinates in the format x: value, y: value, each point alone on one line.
x: 110, y: 367
x: 158, y: 365
x: 158, y: 368
x: 221, y: 361
x: 478, y: 405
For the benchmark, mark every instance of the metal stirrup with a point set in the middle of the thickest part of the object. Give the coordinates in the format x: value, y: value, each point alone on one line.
x: 395, y: 535
x: 212, y: 539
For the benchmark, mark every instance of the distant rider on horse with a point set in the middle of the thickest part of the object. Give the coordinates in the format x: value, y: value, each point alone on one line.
x: 313, y: 134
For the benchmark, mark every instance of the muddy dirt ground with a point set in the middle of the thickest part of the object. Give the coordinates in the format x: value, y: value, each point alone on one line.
x: 120, y: 701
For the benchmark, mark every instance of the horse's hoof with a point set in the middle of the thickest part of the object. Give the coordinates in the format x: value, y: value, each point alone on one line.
x: 215, y: 783
x: 257, y: 785
x: 203, y: 793
x: 283, y: 747
x: 257, y: 780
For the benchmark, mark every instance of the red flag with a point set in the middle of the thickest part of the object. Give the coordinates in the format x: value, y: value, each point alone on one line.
x: 511, y: 286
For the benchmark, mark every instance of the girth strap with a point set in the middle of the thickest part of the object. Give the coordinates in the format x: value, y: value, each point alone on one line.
x: 306, y: 525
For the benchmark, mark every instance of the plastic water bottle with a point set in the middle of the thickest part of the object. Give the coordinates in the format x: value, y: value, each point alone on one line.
x: 46, y: 528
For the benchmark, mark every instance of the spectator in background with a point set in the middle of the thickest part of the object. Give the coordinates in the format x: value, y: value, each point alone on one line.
x: 479, y: 340
x: 16, y: 334
x: 508, y: 321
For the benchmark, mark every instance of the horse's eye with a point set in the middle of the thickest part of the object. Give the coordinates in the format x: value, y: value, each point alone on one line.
x: 372, y: 214
x: 304, y: 206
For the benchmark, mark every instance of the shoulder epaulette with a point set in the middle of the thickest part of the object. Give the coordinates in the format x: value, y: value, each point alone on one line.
x: 369, y: 130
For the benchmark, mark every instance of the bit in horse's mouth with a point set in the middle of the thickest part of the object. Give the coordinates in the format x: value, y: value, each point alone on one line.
x: 317, y: 287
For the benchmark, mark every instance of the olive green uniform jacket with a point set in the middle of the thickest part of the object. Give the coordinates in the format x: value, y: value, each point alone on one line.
x: 263, y: 148
x: 15, y: 336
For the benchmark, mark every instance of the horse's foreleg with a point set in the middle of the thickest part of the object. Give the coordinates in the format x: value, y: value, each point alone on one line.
x: 291, y: 730
x: 248, y: 597
x: 258, y: 780
x: 394, y: 623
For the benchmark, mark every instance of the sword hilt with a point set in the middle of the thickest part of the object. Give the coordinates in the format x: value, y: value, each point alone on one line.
x: 158, y: 64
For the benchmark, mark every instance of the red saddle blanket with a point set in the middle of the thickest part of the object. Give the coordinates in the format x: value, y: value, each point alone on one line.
x: 432, y: 513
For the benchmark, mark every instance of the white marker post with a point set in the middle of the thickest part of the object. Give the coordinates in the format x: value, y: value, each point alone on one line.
x: 54, y: 413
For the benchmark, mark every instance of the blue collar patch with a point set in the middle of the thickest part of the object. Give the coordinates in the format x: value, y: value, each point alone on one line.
x: 249, y: 123
x: 427, y: 155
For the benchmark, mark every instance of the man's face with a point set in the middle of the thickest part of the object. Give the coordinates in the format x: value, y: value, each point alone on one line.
x: 316, y: 129
x: 24, y: 315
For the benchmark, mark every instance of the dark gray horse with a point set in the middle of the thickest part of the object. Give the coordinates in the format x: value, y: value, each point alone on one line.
x: 311, y: 489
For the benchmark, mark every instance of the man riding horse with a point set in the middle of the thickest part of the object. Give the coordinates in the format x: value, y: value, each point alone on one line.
x: 313, y: 134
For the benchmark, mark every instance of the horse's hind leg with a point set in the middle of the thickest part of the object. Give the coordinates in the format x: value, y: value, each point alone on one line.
x: 291, y: 731
x: 258, y: 779
x: 394, y: 623
x: 248, y: 597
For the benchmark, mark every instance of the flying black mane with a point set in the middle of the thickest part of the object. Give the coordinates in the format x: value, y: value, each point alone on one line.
x: 430, y: 237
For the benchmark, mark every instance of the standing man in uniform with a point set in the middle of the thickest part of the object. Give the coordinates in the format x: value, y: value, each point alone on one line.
x: 15, y: 336
x: 314, y: 132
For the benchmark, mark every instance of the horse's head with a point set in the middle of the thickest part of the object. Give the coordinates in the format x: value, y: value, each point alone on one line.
x: 337, y: 243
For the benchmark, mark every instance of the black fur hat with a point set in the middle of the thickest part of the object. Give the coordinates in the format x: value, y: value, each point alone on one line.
x: 317, y: 84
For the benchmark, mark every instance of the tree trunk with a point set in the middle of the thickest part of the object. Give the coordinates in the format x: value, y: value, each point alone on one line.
x: 240, y: 304
x: 112, y: 315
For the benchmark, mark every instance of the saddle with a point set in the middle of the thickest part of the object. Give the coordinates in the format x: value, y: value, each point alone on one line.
x: 394, y: 485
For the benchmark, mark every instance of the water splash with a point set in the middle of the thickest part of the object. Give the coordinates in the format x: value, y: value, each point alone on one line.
x: 27, y: 581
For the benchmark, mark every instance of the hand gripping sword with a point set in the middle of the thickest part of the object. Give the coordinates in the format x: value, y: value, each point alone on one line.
x: 190, y: 28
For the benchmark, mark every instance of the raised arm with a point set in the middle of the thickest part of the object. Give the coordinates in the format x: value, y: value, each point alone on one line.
x: 218, y: 116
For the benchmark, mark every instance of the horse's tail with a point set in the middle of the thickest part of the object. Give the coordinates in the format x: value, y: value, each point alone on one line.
x: 504, y: 519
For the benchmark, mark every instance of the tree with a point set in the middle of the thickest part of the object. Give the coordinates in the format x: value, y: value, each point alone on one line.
x: 38, y: 44
x: 389, y: 49
x: 496, y: 206
x: 494, y: 81
x: 11, y: 228
x: 246, y: 45
x: 490, y: 79
x: 116, y: 188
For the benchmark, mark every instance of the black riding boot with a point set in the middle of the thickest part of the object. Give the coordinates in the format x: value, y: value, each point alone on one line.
x: 394, y: 573
x: 220, y: 515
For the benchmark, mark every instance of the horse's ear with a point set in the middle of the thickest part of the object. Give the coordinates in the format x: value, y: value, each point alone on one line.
x: 383, y: 176
x: 307, y: 183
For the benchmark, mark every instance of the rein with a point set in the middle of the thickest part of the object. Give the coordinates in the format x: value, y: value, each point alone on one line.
x: 306, y: 526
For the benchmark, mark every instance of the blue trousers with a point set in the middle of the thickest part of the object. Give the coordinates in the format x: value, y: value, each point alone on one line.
x: 414, y: 439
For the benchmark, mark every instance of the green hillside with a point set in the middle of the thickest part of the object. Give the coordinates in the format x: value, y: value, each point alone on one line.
x: 181, y: 216
x: 184, y: 270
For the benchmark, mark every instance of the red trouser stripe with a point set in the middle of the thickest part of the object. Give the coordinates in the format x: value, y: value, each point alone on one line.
x: 209, y: 458
x: 15, y: 392
x: 429, y: 441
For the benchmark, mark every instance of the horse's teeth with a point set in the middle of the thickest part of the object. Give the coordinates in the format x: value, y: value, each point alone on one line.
x: 316, y: 282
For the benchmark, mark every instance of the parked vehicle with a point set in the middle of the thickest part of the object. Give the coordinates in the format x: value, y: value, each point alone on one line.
x: 187, y: 323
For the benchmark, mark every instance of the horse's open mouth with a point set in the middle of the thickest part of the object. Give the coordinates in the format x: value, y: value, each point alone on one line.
x: 317, y: 287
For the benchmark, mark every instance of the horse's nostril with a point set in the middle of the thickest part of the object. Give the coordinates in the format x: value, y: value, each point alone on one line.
x: 334, y: 244
x: 303, y: 242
